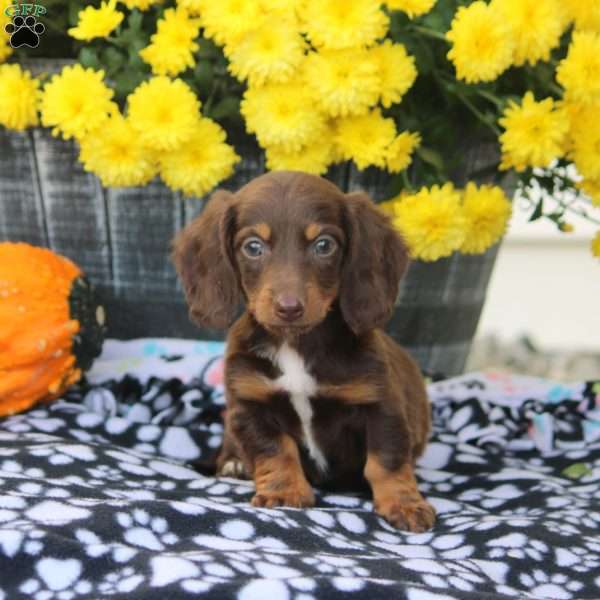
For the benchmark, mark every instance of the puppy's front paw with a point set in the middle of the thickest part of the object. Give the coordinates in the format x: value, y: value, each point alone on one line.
x: 415, y: 515
x: 295, y: 496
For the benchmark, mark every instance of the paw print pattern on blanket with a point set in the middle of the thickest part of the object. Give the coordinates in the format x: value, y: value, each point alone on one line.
x: 143, y: 531
x: 101, y: 515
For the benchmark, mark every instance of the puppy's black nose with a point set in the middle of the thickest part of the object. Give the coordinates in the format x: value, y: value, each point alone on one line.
x: 288, y: 307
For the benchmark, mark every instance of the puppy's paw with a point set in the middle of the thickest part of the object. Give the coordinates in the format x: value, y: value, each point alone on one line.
x: 415, y: 515
x: 294, y: 496
x: 233, y: 468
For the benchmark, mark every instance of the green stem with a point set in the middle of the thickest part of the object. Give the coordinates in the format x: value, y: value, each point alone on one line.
x: 554, y: 87
x: 211, y: 97
x: 406, y: 182
x: 116, y: 42
x: 432, y: 33
x: 489, y: 96
x: 478, y: 113
x: 579, y: 212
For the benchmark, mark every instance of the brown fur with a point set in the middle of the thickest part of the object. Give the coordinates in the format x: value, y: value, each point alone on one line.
x: 370, y: 412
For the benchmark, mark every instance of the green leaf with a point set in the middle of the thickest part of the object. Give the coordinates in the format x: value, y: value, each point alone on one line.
x: 113, y: 59
x: 204, y: 76
x: 135, y: 60
x: 431, y: 157
x: 207, y: 49
x: 228, y: 107
x: 88, y: 57
x: 576, y: 471
x: 127, y: 81
x: 135, y: 20
x: 538, y: 212
x: 73, y: 12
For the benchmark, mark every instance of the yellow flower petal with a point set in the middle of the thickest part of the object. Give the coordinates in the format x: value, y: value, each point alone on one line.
x: 96, y: 22
x: 487, y: 211
x: 19, y: 96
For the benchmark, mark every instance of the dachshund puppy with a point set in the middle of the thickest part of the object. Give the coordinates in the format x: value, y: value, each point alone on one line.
x: 316, y: 391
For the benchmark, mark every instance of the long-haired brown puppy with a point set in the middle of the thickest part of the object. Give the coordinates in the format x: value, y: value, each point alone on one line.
x: 316, y: 391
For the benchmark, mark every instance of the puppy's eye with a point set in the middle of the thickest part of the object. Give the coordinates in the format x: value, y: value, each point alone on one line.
x: 253, y: 248
x: 325, y: 246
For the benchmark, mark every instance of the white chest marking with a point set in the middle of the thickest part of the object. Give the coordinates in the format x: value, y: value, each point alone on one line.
x: 300, y: 385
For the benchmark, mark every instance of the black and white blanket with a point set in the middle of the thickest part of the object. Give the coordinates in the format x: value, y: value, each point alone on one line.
x: 97, y: 497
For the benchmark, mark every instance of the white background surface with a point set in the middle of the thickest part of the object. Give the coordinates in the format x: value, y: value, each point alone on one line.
x: 546, y: 284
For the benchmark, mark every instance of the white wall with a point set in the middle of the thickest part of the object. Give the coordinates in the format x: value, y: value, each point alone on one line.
x: 546, y: 284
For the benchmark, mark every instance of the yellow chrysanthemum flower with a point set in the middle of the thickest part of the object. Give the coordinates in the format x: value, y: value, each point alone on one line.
x: 288, y: 8
x: 387, y: 207
x: 585, y: 149
x: 168, y: 58
x: 487, y: 211
x: 595, y: 245
x: 96, y: 22
x: 172, y: 47
x: 116, y: 155
x: 198, y: 166
x: 313, y: 158
x: 576, y: 114
x: 140, y: 4
x: 271, y: 53
x: 399, y: 153
x: 579, y: 72
x: 482, y: 45
x: 585, y: 13
x: 591, y: 188
x: 536, y: 26
x: 19, y: 96
x: 413, y: 8
x: 194, y: 7
x: 163, y: 112
x: 365, y: 138
x: 432, y: 222
x: 535, y: 133
x: 76, y: 101
x: 396, y: 71
x: 343, y: 82
x: 335, y: 25
x: 5, y: 47
x: 227, y: 21
x: 282, y: 115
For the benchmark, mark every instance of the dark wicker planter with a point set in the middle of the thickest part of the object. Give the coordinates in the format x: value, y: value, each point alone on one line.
x: 120, y: 237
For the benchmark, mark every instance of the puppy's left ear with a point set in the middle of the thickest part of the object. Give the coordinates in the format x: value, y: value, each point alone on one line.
x: 375, y: 261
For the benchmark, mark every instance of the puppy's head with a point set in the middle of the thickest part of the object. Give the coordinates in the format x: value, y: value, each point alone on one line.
x: 291, y: 245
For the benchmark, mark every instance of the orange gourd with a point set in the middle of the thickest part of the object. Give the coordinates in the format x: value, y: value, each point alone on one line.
x: 50, y: 325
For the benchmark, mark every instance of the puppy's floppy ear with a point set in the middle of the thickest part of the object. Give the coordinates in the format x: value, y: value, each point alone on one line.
x: 203, y: 258
x: 375, y: 261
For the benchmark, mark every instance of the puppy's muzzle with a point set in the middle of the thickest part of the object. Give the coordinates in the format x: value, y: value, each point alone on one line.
x: 288, y: 307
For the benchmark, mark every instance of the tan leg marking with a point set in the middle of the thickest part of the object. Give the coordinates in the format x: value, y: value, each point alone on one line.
x: 353, y: 392
x: 396, y: 496
x: 280, y: 480
x: 251, y: 387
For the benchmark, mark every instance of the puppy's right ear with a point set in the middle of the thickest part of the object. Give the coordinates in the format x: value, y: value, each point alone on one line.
x: 203, y: 259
